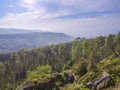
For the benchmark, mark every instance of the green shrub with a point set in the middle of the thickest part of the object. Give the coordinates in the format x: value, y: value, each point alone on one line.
x: 39, y: 74
x: 77, y: 87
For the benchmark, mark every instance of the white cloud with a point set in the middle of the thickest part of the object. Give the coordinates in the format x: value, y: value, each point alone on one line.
x: 56, y: 8
x: 30, y: 2
x: 82, y: 27
x: 11, y: 6
x: 74, y: 27
x: 41, y: 14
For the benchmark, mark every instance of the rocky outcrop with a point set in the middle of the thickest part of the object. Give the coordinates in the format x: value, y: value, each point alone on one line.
x: 70, y: 77
x: 49, y: 83
x: 104, y: 82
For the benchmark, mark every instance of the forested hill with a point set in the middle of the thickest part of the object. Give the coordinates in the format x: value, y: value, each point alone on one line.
x: 14, y: 39
x: 82, y: 64
x: 16, y: 31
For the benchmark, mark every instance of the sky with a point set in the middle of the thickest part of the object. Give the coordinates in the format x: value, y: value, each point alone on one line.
x: 78, y: 18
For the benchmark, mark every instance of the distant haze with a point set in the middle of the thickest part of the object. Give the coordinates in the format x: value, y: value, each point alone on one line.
x: 15, y: 39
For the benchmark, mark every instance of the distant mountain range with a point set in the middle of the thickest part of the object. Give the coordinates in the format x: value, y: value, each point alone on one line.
x: 14, y: 39
x: 16, y: 31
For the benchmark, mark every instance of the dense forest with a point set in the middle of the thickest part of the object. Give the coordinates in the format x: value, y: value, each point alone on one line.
x: 82, y: 64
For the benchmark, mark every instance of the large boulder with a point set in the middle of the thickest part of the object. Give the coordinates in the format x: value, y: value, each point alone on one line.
x: 102, y: 83
x: 70, y: 77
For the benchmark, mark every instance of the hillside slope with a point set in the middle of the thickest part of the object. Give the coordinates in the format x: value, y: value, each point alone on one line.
x: 13, y: 40
x: 82, y: 64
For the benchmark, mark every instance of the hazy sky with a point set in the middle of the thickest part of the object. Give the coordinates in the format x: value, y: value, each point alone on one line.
x: 73, y: 17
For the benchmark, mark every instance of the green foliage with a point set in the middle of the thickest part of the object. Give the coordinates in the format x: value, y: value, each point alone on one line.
x: 40, y: 74
x: 77, y: 87
x: 80, y: 68
x: 88, y: 58
x: 90, y: 76
x: 58, y: 83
